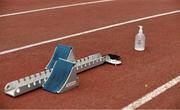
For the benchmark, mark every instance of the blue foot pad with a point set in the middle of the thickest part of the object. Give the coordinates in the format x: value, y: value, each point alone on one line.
x: 61, y: 51
x: 59, y: 76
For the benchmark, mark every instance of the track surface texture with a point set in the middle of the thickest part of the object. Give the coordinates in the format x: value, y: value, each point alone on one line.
x: 104, y: 87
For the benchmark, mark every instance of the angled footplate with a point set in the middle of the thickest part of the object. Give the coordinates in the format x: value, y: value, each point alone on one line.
x: 60, y: 74
x: 61, y: 51
x: 62, y: 78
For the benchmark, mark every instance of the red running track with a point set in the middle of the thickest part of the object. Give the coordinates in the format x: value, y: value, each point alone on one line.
x: 105, y: 86
x: 8, y: 6
x: 30, y: 28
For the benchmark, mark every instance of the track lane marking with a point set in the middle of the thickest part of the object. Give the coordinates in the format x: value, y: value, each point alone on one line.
x: 86, y: 32
x: 136, y: 104
x: 52, y: 8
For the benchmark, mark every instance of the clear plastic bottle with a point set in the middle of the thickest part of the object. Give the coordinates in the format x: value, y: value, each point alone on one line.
x: 140, y: 40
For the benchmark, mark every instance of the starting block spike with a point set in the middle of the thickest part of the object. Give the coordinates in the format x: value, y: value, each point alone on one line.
x: 113, y: 59
x: 56, y: 68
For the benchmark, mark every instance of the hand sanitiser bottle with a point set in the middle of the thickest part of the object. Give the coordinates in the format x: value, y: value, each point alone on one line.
x: 140, y: 40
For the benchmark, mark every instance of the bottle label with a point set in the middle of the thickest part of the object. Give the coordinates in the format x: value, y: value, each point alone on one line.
x: 139, y: 42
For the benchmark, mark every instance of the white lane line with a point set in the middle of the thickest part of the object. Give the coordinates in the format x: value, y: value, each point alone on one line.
x: 52, y: 8
x: 86, y: 32
x: 136, y: 104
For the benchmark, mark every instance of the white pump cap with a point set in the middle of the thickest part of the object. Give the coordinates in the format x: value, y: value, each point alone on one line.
x: 140, y: 29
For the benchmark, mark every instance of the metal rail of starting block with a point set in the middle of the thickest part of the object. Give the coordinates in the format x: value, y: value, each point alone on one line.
x: 32, y: 82
x: 29, y: 83
x: 26, y: 84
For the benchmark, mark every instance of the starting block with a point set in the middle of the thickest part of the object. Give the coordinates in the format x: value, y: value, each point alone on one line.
x: 60, y: 74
